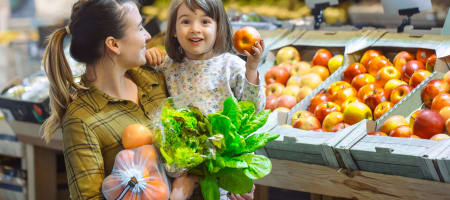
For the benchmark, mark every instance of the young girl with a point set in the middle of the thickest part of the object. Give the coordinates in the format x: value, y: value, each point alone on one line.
x: 201, y: 66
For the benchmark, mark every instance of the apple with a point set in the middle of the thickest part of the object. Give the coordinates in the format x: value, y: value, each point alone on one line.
x: 412, y: 118
x: 292, y: 90
x: 349, y: 101
x: 431, y: 61
x: 335, y: 88
x: 321, y: 57
x: 409, y: 68
x: 385, y: 74
x: 422, y: 55
x: 401, y: 58
x: 361, y: 80
x: 418, y: 77
x: 307, y: 123
x: 294, y: 80
x: 287, y: 101
x: 275, y: 89
x: 321, y: 71
x: 381, y: 109
x: 365, y: 91
x: 393, y: 122
x: 304, y: 92
x: 440, y: 101
x: 433, y: 88
x: 447, y: 77
x: 282, y: 109
x: 440, y: 136
x: 445, y: 112
x: 368, y: 55
x: 277, y: 74
x: 428, y: 123
x: 378, y: 96
x: 318, y: 130
x: 311, y: 80
x: 376, y: 63
x: 271, y: 102
x: 299, y: 114
x: 323, y: 109
x: 287, y: 54
x: 316, y: 100
x: 245, y: 38
x: 340, y: 126
x: 331, y: 120
x: 399, y: 93
x: 286, y: 125
x: 377, y: 133
x: 357, y: 111
x: 392, y: 84
x: 288, y: 66
x: 401, y: 131
x: 353, y: 70
x: 335, y: 62
x: 300, y: 68
x: 447, y: 125
x: 415, y: 136
x: 342, y: 95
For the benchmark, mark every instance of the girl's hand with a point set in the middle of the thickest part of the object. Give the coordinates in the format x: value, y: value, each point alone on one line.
x: 183, y: 187
x: 253, y: 60
x: 155, y: 56
x: 247, y: 196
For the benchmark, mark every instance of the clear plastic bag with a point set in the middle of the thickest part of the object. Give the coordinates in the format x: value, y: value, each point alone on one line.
x: 183, y: 135
x: 137, y: 174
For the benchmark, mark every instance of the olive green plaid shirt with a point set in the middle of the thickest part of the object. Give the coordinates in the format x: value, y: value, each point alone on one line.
x: 92, y: 130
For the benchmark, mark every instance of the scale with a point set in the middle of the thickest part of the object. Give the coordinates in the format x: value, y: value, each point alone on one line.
x: 317, y: 7
x: 406, y: 8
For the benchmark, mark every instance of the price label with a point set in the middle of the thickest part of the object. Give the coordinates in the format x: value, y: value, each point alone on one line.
x: 312, y: 3
x: 394, y: 6
x: 446, y: 29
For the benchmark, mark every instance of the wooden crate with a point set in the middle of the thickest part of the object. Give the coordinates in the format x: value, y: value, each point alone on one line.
x: 443, y: 162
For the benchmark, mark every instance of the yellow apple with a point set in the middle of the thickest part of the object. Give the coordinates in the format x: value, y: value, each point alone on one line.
x: 294, y: 80
x: 287, y: 54
x: 311, y: 80
x: 393, y: 122
x: 331, y: 120
x: 300, y: 68
x: 445, y: 112
x: 357, y: 111
x: 335, y: 62
x: 440, y: 136
x: 291, y: 90
x: 299, y: 114
x: 304, y: 91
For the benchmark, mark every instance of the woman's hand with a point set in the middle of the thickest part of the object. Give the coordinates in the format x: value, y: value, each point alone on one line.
x: 247, y: 196
x: 155, y: 56
x: 183, y: 187
x: 252, y: 62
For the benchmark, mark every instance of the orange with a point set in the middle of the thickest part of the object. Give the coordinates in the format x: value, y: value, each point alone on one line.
x: 156, y: 190
x: 111, y: 187
x: 124, y: 159
x: 146, y: 156
x: 136, y: 135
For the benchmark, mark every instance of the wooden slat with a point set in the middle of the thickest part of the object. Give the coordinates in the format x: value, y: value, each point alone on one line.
x: 357, y: 184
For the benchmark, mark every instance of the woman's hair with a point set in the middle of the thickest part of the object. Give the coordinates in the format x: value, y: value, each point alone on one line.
x: 91, y: 22
x: 213, y: 9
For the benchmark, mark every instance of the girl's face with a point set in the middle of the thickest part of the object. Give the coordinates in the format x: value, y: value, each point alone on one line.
x: 196, y: 33
x: 132, y: 45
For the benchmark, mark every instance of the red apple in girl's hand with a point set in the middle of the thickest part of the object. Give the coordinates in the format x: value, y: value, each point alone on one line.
x: 245, y: 38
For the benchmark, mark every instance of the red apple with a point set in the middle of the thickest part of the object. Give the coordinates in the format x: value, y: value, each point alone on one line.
x: 323, y: 109
x: 385, y: 74
x: 377, y: 133
x: 447, y: 125
x: 428, y: 123
x: 335, y: 88
x: 399, y: 93
x: 307, y: 123
x: 277, y: 75
x: 418, y: 77
x: 422, y: 55
x: 245, y: 38
x: 275, y: 89
x: 392, y: 84
x: 368, y: 55
x: 440, y: 101
x: 288, y: 66
x: 431, y: 61
x: 353, y: 70
x: 378, y: 96
x: 318, y: 130
x: 321, y: 71
x: 331, y: 120
x: 287, y: 101
x: 321, y: 57
x: 381, y: 109
x: 376, y: 63
x: 412, y: 118
x: 440, y: 136
x: 401, y: 131
x: 344, y: 94
x: 339, y: 127
x: 365, y: 91
x: 409, y: 68
x: 316, y: 100
x: 393, y: 122
x: 361, y: 80
x: 300, y: 114
x: 271, y: 102
x: 433, y: 88
x: 287, y: 54
x: 401, y: 58
x: 447, y: 77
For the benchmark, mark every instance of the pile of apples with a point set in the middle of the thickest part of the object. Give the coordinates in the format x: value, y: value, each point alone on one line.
x: 368, y: 90
x: 291, y: 79
x: 429, y: 123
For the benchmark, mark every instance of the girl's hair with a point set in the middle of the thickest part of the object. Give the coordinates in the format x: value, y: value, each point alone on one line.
x: 91, y: 22
x: 213, y: 9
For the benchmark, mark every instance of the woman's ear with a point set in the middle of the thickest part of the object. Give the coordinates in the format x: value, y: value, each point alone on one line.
x: 112, y: 45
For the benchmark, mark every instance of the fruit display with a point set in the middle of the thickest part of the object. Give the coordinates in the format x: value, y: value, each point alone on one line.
x: 430, y: 121
x: 292, y: 79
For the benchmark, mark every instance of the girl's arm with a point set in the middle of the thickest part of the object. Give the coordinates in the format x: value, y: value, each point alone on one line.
x: 251, y: 65
x: 155, y: 56
x: 84, y: 161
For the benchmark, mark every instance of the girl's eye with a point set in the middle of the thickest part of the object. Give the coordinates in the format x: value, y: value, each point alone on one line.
x: 205, y: 21
x: 184, y: 21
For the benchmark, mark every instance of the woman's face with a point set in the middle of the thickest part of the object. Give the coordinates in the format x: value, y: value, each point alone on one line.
x: 132, y: 45
x: 196, y: 33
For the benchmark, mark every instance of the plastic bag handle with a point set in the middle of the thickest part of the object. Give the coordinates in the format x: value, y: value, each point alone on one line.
x: 130, y: 186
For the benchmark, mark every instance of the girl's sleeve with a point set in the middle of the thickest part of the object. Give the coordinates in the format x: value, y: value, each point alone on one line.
x: 244, y: 90
x: 83, y: 159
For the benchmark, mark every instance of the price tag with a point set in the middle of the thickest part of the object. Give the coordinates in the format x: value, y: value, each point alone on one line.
x: 394, y: 6
x: 446, y: 29
x: 312, y: 3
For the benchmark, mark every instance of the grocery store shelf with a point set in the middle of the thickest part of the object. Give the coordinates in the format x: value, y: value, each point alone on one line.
x: 30, y: 133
